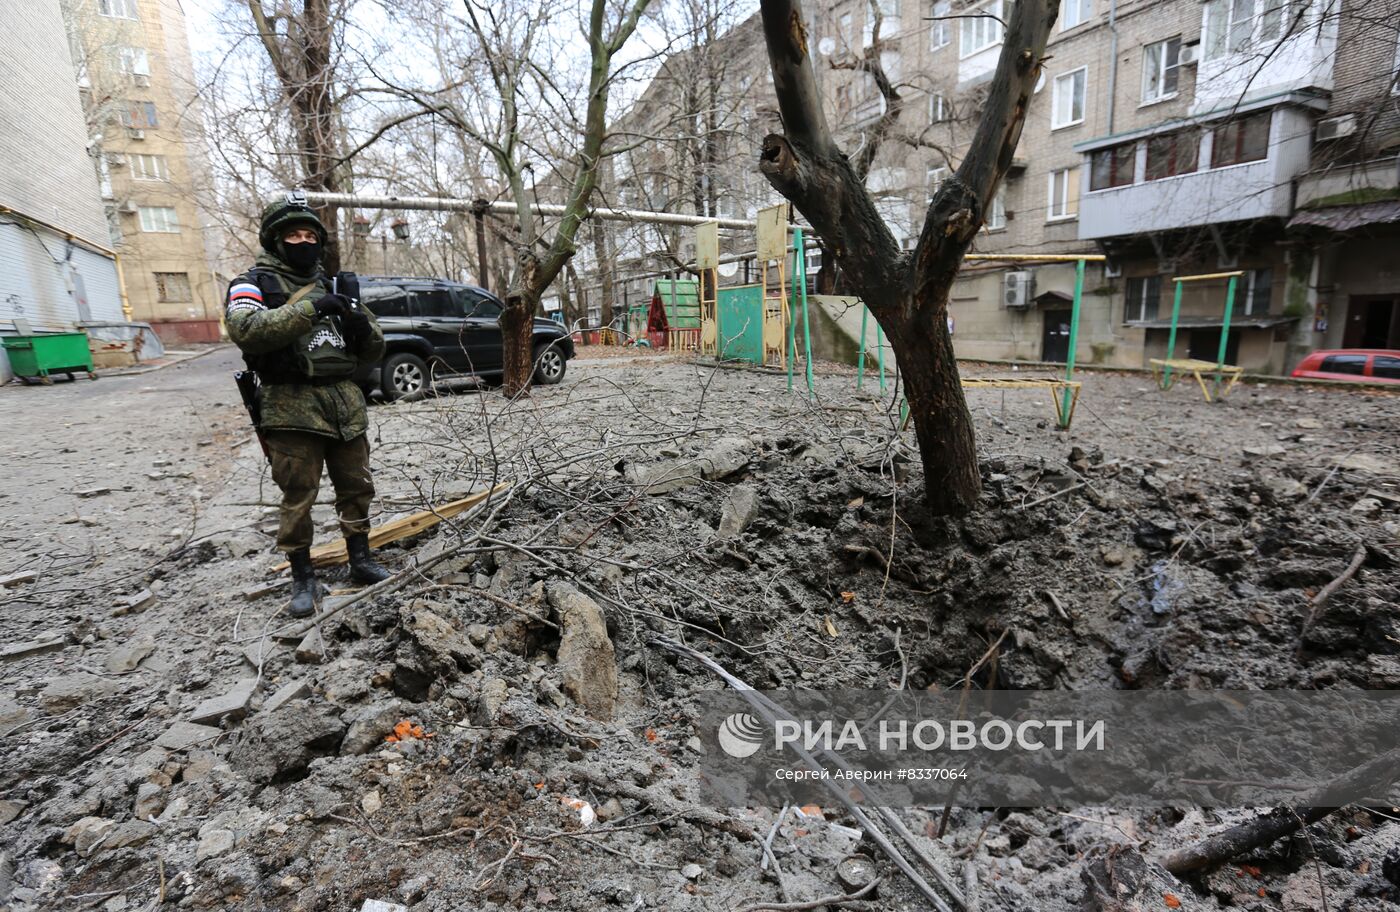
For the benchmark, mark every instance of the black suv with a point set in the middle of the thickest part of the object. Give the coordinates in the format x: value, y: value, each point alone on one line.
x: 434, y: 328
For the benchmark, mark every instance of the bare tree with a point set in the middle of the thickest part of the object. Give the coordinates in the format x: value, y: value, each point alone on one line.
x: 302, y: 49
x: 907, y: 294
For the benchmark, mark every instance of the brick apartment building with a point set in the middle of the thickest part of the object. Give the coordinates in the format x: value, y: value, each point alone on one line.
x: 136, y: 80
x: 1175, y: 136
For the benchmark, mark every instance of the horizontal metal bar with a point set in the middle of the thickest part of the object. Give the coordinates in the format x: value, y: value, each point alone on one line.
x: 1208, y: 275
x: 449, y: 204
x: 1040, y: 257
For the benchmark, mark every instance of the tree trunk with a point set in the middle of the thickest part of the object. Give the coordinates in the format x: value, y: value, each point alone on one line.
x: 602, y: 252
x: 517, y: 321
x: 942, y: 422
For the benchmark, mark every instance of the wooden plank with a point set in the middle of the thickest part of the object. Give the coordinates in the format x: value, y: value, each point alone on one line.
x: 333, y: 553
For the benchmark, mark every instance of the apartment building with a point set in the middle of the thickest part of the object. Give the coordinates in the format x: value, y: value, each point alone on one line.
x: 136, y: 79
x: 57, y: 270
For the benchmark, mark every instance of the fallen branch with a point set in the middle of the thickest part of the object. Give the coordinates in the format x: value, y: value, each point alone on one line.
x: 654, y: 797
x: 1331, y: 588
x: 837, y: 900
x: 1216, y: 850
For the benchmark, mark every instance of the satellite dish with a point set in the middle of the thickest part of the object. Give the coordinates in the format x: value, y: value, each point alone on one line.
x: 827, y: 46
x: 729, y: 270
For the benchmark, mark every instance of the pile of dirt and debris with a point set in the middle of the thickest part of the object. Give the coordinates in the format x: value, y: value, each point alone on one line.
x: 495, y: 727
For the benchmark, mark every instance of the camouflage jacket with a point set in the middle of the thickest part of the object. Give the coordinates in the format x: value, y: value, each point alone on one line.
x: 262, y: 323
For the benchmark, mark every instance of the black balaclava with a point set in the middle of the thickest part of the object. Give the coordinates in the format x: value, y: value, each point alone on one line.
x: 302, y: 258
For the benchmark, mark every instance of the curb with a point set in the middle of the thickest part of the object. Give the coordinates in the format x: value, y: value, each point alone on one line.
x: 138, y: 371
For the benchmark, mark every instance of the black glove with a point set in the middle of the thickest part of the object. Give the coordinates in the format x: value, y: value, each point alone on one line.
x: 332, y: 305
x: 355, y: 323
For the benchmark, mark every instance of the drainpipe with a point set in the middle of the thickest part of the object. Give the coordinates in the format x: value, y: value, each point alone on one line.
x: 1112, y: 60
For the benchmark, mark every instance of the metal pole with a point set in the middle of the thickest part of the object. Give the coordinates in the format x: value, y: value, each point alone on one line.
x: 790, y: 305
x: 860, y: 359
x: 1073, y: 341
x: 1225, y: 331
x: 481, y: 249
x: 806, y: 320
x: 1171, y: 336
x: 880, y: 351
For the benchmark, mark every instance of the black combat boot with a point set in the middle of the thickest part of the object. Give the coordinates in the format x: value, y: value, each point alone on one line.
x: 363, y: 568
x: 304, y: 585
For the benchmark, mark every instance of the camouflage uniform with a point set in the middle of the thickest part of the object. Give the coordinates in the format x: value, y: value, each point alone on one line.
x: 308, y: 424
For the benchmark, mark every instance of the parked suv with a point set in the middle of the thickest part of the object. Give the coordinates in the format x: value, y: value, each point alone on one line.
x: 434, y: 328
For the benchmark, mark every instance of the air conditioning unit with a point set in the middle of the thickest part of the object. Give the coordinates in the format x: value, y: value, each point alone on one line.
x: 134, y: 133
x: 141, y: 79
x: 1336, y: 127
x: 1112, y: 270
x: 114, y: 159
x: 1189, y: 54
x: 129, y: 207
x: 1018, y: 289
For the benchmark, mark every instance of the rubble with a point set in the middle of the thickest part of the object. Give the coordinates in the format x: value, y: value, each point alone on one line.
x: 587, y: 666
x: 231, y: 705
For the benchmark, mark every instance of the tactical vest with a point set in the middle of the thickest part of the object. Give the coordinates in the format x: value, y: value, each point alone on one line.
x: 320, y: 355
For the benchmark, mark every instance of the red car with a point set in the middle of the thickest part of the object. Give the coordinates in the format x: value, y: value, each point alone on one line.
x: 1371, y: 365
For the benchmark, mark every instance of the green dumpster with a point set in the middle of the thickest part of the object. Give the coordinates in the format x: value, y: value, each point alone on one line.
x: 36, y: 357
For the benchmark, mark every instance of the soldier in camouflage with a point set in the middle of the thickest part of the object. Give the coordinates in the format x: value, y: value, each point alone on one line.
x: 304, y: 340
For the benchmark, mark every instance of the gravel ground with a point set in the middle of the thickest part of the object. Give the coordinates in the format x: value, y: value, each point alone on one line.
x: 514, y: 668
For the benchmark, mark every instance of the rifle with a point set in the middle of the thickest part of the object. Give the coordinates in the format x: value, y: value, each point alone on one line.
x: 248, y: 387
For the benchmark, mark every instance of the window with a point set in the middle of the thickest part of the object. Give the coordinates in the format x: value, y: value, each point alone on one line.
x: 996, y: 217
x: 1159, y: 70
x: 173, y: 288
x: 1075, y: 12
x: 1064, y: 194
x: 385, y: 300
x: 981, y: 28
x: 847, y: 36
x: 117, y: 9
x: 940, y: 33
x: 479, y: 305
x: 1213, y: 30
x: 1385, y: 366
x: 435, y: 302
x: 139, y: 115
x: 1112, y: 167
x: 1344, y: 364
x: 889, y: 20
x: 939, y: 110
x: 1172, y: 153
x: 134, y: 61
x: 936, y: 177
x: 1068, y: 108
x: 1242, y: 140
x: 1241, y: 26
x: 1144, y: 295
x: 1258, y: 287
x: 159, y: 219
x: 148, y: 167
x: 1271, y: 25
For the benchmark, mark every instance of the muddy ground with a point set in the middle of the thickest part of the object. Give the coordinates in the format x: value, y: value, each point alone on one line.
x: 780, y: 536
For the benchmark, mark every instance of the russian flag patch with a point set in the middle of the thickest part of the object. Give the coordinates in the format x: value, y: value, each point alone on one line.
x: 245, y: 290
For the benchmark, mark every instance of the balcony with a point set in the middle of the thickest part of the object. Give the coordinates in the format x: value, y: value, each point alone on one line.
x: 1205, y: 195
x: 1256, y: 58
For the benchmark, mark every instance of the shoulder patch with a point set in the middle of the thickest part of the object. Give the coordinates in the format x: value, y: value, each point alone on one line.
x: 245, y: 296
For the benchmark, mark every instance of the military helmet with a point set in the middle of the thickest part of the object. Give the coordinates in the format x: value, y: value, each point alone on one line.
x: 285, y: 213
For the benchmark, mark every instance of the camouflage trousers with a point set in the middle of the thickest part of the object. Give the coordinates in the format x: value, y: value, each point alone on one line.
x: 297, y: 459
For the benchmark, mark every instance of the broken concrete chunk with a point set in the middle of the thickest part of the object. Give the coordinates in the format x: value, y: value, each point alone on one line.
x: 727, y: 456
x: 16, y: 579
x: 1267, y: 449
x: 213, y: 844
x: 232, y: 705
x: 64, y: 693
x: 279, y: 746
x: 11, y: 809
x: 292, y: 690
x: 260, y: 653
x: 133, y: 604
x: 128, y: 656
x: 258, y: 590
x: 740, y: 509
x: 312, y: 648
x: 46, y: 643
x: 150, y: 801
x: 85, y: 835
x: 662, y: 478
x: 92, y: 492
x: 587, y: 663
x: 370, y: 725
x: 185, y: 735
x: 379, y: 905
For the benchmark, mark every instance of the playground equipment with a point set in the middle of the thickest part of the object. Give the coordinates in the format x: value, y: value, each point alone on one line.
x: 1064, y: 393
x: 1162, y: 367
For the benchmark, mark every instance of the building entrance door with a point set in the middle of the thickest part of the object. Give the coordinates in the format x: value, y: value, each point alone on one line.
x: 1055, y: 343
x: 1372, y: 323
